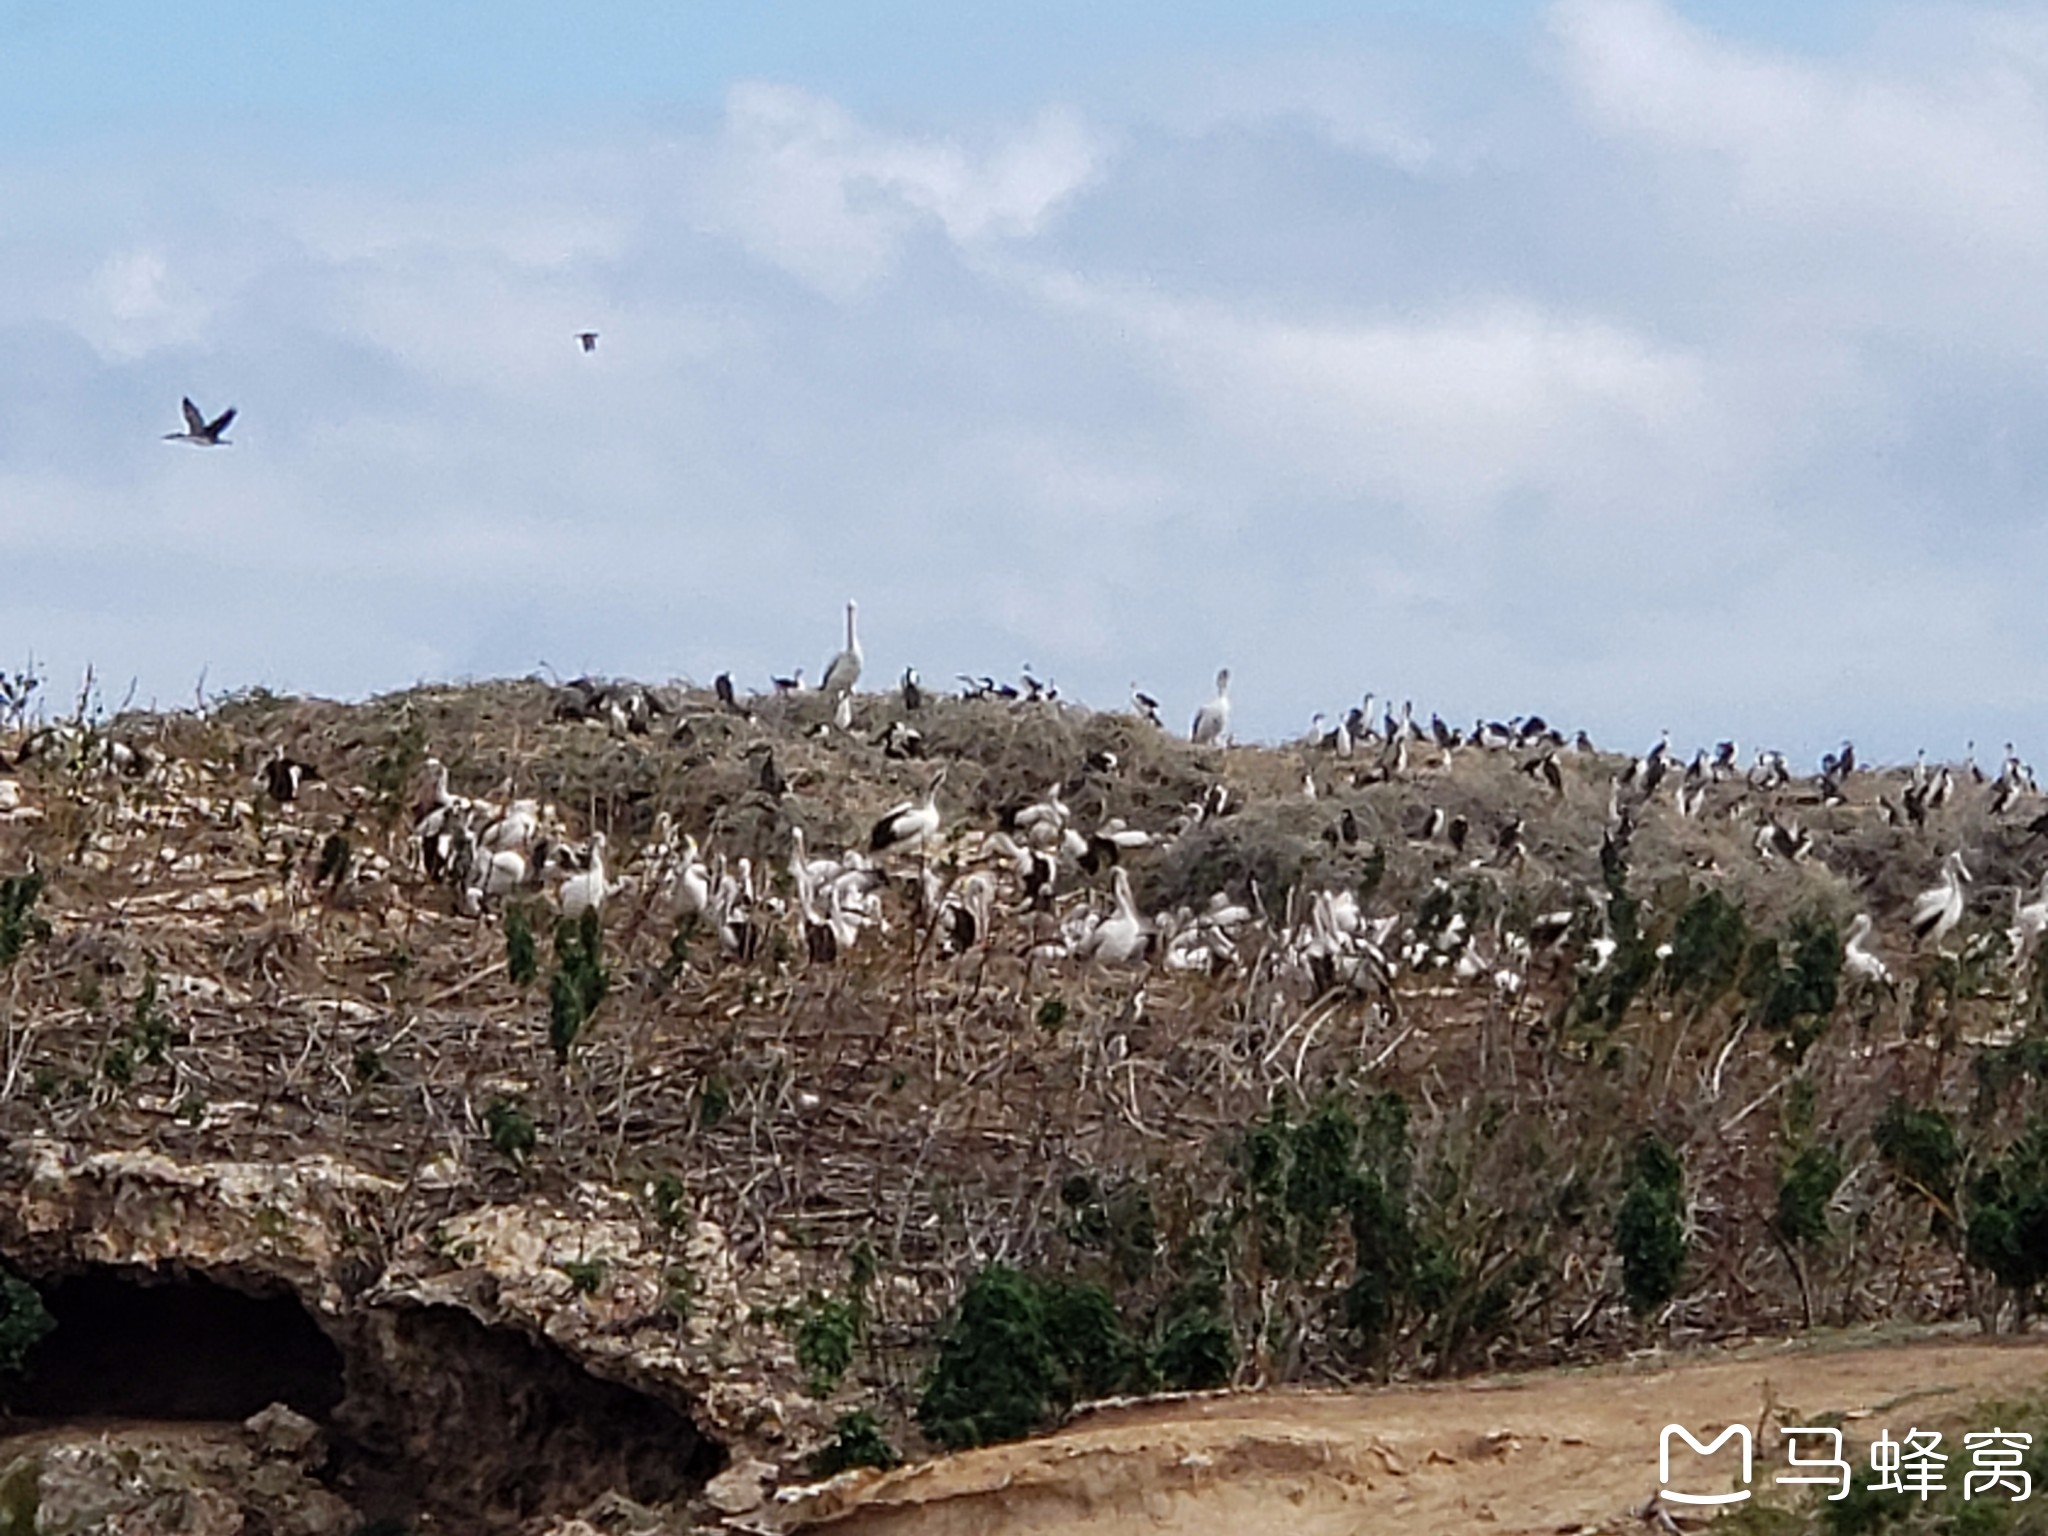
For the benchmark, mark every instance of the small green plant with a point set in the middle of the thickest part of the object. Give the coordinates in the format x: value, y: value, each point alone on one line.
x: 1649, y: 1229
x: 585, y: 1275
x: 579, y: 983
x: 826, y: 1336
x: 670, y: 1199
x: 522, y: 959
x: 369, y: 1067
x: 1052, y: 1013
x: 511, y: 1130
x: 19, y: 925
x: 24, y: 1323
x: 152, y: 1028
x: 117, y: 1064
x: 857, y: 1441
x: 714, y: 1101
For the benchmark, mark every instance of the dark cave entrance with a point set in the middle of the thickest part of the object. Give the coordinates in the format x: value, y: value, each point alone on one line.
x: 132, y: 1344
x: 425, y: 1407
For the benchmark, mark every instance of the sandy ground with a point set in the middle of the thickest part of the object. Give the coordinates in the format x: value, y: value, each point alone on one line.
x: 1556, y: 1452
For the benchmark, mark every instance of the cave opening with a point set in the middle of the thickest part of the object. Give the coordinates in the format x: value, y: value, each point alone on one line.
x: 426, y: 1408
x: 144, y: 1345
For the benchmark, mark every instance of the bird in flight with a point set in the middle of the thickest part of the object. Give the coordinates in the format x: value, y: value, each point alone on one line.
x: 589, y: 340
x: 199, y: 431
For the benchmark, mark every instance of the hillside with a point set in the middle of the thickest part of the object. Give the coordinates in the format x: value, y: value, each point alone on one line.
x: 1378, y: 1122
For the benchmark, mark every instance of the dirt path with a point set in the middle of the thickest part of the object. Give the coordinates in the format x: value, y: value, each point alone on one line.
x: 1554, y: 1452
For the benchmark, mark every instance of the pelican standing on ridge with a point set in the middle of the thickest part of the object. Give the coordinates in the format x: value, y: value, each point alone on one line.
x: 843, y: 671
x: 1939, y: 908
x: 1213, y: 718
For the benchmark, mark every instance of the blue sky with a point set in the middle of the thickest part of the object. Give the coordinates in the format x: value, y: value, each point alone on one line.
x: 1640, y: 364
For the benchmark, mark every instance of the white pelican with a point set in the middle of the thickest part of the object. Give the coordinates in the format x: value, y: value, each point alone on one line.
x: 1119, y: 938
x: 843, y: 671
x: 499, y: 874
x: 2027, y: 923
x: 689, y: 888
x: 1213, y: 718
x: 585, y: 892
x: 1860, y: 962
x: 1940, y: 908
x: 910, y: 824
x: 200, y: 432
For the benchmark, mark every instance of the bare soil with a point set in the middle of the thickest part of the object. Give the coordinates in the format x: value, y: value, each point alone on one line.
x: 1553, y: 1451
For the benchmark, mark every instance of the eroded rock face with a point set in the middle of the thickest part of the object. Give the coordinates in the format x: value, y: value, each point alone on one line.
x: 162, y: 1481
x: 504, y: 1363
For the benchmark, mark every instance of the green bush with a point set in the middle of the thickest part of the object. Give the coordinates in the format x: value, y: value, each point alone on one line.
x: 1920, y: 1148
x: 1707, y: 947
x: 1805, y: 1187
x: 579, y: 983
x: 511, y: 1130
x: 857, y: 1441
x: 24, y: 1323
x: 826, y: 1336
x: 1018, y: 1352
x: 19, y: 925
x: 2008, y: 1220
x: 1649, y: 1229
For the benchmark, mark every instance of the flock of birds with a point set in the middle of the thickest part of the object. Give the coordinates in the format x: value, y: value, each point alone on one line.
x: 1043, y: 865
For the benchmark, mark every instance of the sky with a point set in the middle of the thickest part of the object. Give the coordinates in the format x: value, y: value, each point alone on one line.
x: 1643, y: 364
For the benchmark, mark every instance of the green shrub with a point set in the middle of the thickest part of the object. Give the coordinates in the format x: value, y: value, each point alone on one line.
x: 1018, y: 1352
x: 19, y: 925
x: 2008, y: 1218
x: 511, y: 1130
x: 522, y: 962
x: 1649, y: 1229
x: 24, y: 1323
x: 1707, y: 947
x: 1920, y: 1148
x: 1805, y: 1187
x: 825, y: 1339
x: 857, y: 1441
x: 579, y: 983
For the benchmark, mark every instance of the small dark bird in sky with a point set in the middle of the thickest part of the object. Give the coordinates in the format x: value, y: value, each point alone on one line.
x: 200, y: 432
x: 589, y: 340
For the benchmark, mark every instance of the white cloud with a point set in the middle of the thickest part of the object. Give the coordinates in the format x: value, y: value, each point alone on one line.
x: 1451, y: 416
x: 802, y: 183
x: 134, y: 304
x: 1950, y: 151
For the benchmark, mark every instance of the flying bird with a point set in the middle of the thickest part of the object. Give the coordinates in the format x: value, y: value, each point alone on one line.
x: 589, y: 340
x: 200, y: 432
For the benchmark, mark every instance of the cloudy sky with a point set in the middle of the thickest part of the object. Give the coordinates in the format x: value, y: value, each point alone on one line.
x: 1639, y: 363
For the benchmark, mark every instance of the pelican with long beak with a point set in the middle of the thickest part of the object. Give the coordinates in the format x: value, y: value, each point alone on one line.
x: 1939, y: 908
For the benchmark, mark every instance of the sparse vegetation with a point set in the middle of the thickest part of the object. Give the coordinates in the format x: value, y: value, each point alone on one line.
x: 24, y: 1323
x: 1200, y: 1172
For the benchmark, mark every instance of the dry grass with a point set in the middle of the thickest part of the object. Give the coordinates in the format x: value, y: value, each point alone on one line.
x: 934, y: 1107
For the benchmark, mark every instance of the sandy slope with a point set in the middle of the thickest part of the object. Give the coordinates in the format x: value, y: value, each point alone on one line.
x: 1551, y: 1452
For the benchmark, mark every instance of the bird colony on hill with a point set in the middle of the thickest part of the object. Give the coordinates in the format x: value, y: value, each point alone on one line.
x: 1052, y: 882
